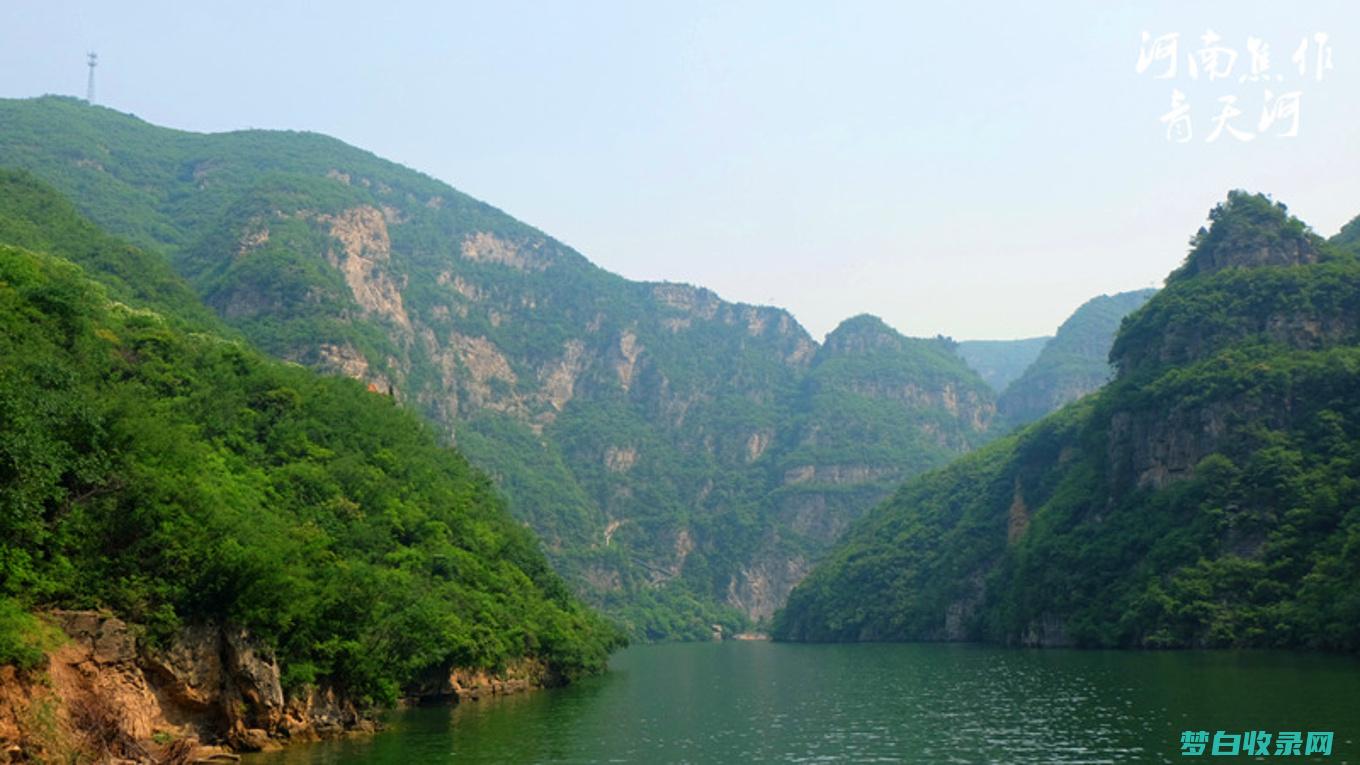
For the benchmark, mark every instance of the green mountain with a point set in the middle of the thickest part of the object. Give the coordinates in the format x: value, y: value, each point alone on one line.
x: 1073, y: 363
x: 683, y: 458
x: 998, y: 362
x: 1348, y: 239
x: 178, y: 478
x: 1206, y: 497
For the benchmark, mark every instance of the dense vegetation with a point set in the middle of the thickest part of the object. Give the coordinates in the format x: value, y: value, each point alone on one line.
x: 35, y: 217
x: 177, y: 477
x: 672, y: 450
x: 1209, y: 496
x: 1073, y: 363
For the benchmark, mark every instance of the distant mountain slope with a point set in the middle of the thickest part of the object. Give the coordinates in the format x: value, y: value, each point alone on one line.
x: 1073, y: 363
x: 999, y: 362
x: 1205, y: 497
x: 645, y: 431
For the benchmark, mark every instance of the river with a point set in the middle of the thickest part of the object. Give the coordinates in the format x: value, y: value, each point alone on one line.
x: 738, y: 702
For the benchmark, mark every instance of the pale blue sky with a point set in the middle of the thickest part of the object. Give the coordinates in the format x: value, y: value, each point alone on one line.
x: 972, y: 169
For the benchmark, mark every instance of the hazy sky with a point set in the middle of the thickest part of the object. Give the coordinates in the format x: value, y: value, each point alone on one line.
x: 971, y: 169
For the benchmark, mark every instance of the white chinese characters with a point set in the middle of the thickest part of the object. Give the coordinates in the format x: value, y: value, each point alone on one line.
x: 1232, y: 116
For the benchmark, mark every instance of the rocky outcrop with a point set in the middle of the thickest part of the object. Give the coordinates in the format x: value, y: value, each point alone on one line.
x: 835, y: 475
x: 762, y: 588
x: 1282, y: 251
x: 105, y: 693
x: 363, y: 256
x: 209, y: 684
x: 463, y: 684
x: 209, y: 691
x: 1048, y: 631
x: 486, y: 247
x: 1188, y: 342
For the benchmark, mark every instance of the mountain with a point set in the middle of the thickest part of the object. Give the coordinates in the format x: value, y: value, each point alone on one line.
x: 683, y: 458
x: 299, y: 533
x: 1071, y: 364
x: 1205, y: 497
x: 998, y: 362
x: 1348, y: 239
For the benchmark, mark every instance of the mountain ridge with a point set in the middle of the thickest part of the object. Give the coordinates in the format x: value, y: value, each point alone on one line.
x: 1073, y: 363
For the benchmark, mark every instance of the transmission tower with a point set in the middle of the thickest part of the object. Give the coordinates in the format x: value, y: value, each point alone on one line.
x: 89, y: 87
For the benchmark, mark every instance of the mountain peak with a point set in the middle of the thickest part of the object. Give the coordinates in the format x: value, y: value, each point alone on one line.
x: 1248, y: 230
x: 860, y: 333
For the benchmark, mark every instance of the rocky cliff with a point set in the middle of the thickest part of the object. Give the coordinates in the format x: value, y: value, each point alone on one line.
x: 206, y: 692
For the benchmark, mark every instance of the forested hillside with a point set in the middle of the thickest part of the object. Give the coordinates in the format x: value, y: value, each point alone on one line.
x: 1206, y: 497
x: 178, y: 478
x: 684, y: 459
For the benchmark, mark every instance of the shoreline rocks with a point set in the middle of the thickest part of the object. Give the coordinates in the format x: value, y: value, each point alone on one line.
x: 207, y: 694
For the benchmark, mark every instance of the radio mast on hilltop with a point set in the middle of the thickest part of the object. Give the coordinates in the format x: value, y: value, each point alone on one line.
x: 89, y: 87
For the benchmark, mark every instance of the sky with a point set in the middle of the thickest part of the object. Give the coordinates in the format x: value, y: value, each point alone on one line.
x: 976, y: 170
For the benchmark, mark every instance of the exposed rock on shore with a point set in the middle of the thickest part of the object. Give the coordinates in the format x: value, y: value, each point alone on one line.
x: 211, y: 691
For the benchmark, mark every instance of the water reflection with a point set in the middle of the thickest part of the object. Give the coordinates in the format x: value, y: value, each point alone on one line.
x: 877, y: 703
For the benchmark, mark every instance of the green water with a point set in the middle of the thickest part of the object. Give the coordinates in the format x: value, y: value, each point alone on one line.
x: 763, y: 702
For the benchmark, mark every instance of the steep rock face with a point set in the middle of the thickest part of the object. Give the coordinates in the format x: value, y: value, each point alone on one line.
x: 874, y: 407
x: 210, y: 684
x: 761, y: 588
x: 209, y: 690
x: 1247, y: 234
x: 363, y: 255
x: 644, y: 430
x: 112, y: 696
x: 1180, y: 505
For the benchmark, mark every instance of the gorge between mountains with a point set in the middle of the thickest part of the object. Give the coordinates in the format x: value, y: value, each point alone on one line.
x: 684, y: 459
x: 293, y: 434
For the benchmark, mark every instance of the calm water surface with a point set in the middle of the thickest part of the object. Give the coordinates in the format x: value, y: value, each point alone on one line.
x: 740, y: 702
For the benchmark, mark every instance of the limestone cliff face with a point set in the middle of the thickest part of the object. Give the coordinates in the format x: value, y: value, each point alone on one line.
x: 1242, y: 248
x: 661, y: 408
x: 363, y: 255
x: 762, y: 587
x: 500, y: 333
x: 873, y: 409
x: 106, y: 693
